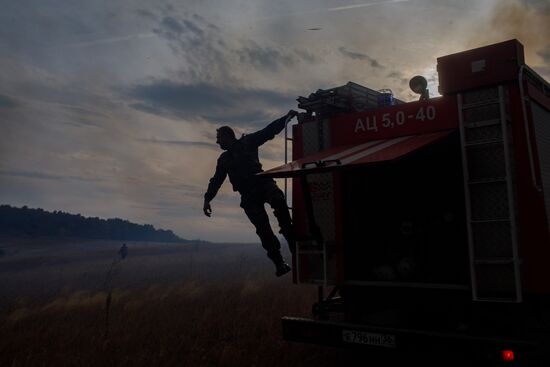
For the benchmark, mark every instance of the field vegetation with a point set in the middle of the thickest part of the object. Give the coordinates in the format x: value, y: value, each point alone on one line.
x: 187, y: 306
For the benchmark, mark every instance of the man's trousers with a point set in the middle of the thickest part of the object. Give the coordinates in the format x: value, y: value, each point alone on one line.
x: 253, y: 205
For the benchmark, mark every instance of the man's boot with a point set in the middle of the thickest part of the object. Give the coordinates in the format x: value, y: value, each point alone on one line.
x: 282, y: 269
x: 280, y: 264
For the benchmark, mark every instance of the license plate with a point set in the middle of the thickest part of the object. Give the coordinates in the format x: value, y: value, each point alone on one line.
x: 362, y: 337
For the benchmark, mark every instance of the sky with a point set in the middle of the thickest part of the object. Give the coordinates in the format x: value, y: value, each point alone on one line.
x: 108, y: 108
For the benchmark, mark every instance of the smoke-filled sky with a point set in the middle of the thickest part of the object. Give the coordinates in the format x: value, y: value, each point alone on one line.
x: 109, y: 107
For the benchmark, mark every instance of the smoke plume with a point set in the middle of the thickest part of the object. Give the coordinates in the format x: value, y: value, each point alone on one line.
x: 528, y: 21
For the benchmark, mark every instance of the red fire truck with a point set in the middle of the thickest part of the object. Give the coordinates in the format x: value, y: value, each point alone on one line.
x: 425, y: 225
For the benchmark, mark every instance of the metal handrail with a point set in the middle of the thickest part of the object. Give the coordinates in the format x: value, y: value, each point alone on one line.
x: 287, y: 139
x: 522, y: 69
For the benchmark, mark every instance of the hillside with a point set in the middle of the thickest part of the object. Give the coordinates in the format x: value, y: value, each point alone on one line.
x: 38, y: 222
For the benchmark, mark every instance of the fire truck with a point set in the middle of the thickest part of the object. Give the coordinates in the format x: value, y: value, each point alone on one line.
x: 425, y: 225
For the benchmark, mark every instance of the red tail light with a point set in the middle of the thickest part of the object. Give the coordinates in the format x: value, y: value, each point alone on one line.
x: 507, y: 355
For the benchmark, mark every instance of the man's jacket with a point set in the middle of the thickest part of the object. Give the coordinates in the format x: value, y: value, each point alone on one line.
x: 241, y: 161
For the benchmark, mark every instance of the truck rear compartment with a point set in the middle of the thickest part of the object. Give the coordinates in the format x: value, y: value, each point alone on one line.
x: 404, y: 221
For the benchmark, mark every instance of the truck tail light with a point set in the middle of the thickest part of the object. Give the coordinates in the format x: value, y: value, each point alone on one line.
x: 507, y: 355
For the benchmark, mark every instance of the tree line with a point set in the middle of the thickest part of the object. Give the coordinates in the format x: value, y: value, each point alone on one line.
x: 38, y: 222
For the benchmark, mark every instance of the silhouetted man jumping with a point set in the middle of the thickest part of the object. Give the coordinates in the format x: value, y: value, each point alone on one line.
x: 240, y: 161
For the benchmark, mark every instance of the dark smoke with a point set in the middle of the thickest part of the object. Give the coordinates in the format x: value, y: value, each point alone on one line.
x: 527, y: 21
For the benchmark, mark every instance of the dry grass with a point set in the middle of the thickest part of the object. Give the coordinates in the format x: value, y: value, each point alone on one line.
x: 194, y: 323
x: 170, y: 305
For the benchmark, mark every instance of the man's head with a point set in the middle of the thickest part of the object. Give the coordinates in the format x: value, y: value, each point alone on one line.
x: 225, y: 137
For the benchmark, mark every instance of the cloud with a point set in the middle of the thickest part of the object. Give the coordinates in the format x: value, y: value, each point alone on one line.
x: 545, y: 54
x: 355, y: 6
x: 171, y: 25
x: 336, y: 9
x: 84, y: 111
x: 270, y: 58
x: 24, y: 32
x: 352, y: 55
x: 541, y: 6
x: 209, y: 102
x: 41, y: 86
x: 184, y: 143
x: 183, y: 33
x: 110, y: 40
x: 7, y: 102
x: 399, y: 77
x: 191, y: 26
x: 47, y: 176
x: 144, y: 13
x: 264, y: 57
x: 307, y: 56
x: 208, y: 54
x: 199, y: 45
x: 395, y: 75
x: 359, y: 56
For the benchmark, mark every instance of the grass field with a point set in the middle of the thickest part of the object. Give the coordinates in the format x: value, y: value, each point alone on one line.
x: 165, y: 305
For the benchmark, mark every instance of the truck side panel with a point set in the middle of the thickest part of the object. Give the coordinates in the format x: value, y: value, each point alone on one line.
x: 541, y: 120
x: 534, y: 239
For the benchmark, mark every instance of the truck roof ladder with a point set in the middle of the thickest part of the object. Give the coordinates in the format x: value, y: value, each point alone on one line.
x: 490, y: 195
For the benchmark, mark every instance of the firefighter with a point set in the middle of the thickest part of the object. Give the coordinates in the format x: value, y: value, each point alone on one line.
x: 123, y: 251
x: 240, y: 162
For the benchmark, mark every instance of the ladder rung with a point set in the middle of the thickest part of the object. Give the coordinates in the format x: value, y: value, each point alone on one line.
x: 310, y: 252
x: 483, y: 123
x: 514, y: 298
x: 494, y: 261
x: 490, y: 220
x: 485, y: 142
x: 488, y: 181
x: 479, y: 104
x: 289, y: 139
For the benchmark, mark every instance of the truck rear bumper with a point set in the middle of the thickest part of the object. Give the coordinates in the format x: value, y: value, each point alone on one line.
x: 342, y: 334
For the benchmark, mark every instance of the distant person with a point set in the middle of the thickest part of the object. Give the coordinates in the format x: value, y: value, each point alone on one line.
x: 240, y: 161
x: 123, y: 252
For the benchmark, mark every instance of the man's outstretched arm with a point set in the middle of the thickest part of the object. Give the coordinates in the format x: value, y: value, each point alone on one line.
x: 269, y: 132
x: 213, y: 186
